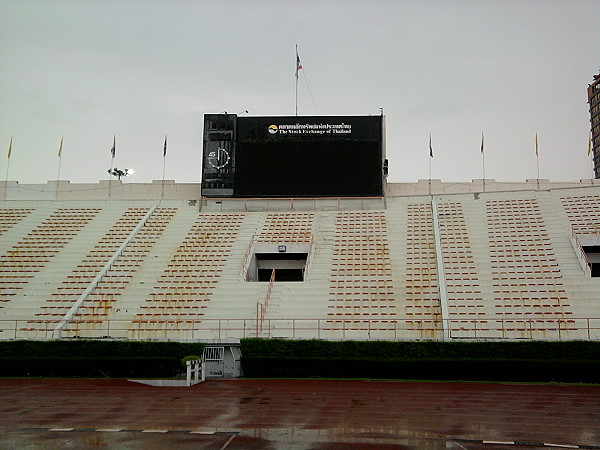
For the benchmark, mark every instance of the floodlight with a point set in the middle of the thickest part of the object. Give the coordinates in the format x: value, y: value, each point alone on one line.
x: 120, y: 172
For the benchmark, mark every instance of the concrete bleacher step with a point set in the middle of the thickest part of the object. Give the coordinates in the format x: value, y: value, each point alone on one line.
x: 231, y: 289
x: 302, y: 300
x: 296, y: 296
x: 559, y: 232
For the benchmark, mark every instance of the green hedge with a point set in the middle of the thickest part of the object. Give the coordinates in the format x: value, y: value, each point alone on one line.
x: 90, y: 367
x: 574, y: 361
x: 79, y: 347
x: 83, y: 358
x: 569, y: 350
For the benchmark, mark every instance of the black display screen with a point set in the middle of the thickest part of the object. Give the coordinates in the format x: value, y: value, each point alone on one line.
x: 308, y: 169
x: 308, y: 156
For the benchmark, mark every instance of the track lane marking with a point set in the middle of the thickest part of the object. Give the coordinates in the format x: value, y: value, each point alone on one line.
x: 561, y: 445
x: 228, y: 442
x: 235, y: 433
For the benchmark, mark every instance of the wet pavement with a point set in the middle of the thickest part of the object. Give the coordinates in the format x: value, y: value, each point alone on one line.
x: 303, y: 414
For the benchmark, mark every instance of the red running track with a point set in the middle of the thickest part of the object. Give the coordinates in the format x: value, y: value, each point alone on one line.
x: 317, y: 414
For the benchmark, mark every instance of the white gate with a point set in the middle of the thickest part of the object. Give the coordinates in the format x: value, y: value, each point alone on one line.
x: 213, y: 361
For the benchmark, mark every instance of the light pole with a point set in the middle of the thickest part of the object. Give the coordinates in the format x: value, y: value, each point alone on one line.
x: 120, y: 173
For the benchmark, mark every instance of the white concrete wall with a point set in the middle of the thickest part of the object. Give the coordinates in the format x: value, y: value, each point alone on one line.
x: 103, y: 190
x: 170, y: 190
x: 426, y: 187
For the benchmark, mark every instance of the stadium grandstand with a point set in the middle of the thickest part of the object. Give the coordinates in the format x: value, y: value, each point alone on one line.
x: 427, y: 260
x: 273, y: 244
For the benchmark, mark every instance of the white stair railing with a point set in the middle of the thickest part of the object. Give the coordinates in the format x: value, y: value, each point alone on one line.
x: 440, y: 269
x: 94, y: 283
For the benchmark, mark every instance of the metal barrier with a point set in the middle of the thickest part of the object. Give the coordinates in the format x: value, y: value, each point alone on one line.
x: 194, y: 372
x: 278, y: 204
x: 582, y: 254
x: 261, y: 309
x: 207, y: 330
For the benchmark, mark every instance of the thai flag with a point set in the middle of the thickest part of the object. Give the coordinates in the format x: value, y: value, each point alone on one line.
x: 298, y: 64
x: 113, y: 149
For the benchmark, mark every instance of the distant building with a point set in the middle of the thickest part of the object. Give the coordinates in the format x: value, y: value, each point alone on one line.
x: 594, y: 101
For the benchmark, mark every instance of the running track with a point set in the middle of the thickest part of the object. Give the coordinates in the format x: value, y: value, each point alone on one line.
x: 315, y: 414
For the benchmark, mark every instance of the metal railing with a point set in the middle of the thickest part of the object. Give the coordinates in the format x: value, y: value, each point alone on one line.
x: 261, y: 308
x: 582, y: 253
x: 311, y: 249
x: 104, y: 270
x: 586, y: 328
x: 262, y: 204
x: 246, y: 262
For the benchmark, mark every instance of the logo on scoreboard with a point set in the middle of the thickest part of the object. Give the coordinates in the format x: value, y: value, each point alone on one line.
x: 310, y: 128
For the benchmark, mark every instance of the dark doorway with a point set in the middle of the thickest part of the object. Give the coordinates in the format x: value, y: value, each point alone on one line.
x: 287, y: 266
x: 281, y: 274
x: 592, y: 253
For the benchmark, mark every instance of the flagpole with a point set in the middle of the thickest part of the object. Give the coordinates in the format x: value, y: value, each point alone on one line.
x: 429, y: 176
x: 296, y: 79
x: 483, y: 161
x: 538, y: 171
x: 58, y: 175
x: 430, y: 158
x: 162, y: 192
x: 112, y: 162
x: 7, y: 166
x: 59, y: 160
x: 110, y: 174
x: 6, y: 178
x: 537, y: 159
x: 590, y: 153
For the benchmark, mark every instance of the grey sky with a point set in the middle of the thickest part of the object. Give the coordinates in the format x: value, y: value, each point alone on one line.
x: 141, y: 69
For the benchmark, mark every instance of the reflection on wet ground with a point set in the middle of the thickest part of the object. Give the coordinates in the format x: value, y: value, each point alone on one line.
x: 315, y: 414
x: 280, y: 439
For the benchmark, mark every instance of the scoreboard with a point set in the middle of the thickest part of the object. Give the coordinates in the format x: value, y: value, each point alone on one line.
x: 293, y: 156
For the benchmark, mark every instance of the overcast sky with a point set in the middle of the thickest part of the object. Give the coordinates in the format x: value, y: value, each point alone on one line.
x: 91, y: 69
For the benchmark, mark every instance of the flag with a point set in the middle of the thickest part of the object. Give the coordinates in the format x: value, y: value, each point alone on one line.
x: 113, y: 149
x: 537, y: 153
x: 9, y: 149
x: 60, y: 146
x: 590, y: 145
x: 482, y: 143
x: 430, y: 148
x: 165, y: 147
x: 298, y: 64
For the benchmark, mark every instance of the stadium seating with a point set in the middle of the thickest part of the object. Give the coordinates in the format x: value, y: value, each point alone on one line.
x: 361, y: 286
x: 186, y: 286
x: 583, y: 213
x: 36, y: 250
x: 465, y: 298
x: 460, y: 265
